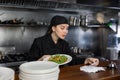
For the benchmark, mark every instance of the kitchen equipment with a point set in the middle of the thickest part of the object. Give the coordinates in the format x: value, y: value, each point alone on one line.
x: 112, y: 65
x: 118, y: 18
x: 12, y: 60
x: 74, y: 21
x: 1, y: 56
x: 13, y: 21
x: 71, y: 20
x: 100, y: 17
x: 113, y: 51
x: 39, y: 70
x: 84, y: 20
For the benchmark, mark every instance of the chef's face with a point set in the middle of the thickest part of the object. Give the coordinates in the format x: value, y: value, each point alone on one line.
x: 61, y: 30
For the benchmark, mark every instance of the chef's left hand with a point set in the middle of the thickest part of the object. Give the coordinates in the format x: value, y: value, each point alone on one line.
x: 92, y: 61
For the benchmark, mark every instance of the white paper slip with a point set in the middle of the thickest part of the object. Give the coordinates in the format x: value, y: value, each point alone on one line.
x: 91, y: 68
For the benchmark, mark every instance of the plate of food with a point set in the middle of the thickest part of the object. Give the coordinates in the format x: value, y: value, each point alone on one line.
x: 60, y: 59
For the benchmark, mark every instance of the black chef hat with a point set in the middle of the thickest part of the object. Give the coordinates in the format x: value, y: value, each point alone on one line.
x: 56, y: 20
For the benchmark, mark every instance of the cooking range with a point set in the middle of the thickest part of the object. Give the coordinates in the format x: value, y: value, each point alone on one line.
x: 10, y: 60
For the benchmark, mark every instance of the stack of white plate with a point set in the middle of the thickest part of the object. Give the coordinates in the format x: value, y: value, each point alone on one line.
x: 39, y: 70
x: 6, y: 73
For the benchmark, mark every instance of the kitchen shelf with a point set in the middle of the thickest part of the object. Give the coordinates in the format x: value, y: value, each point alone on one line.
x: 10, y: 25
x: 21, y: 25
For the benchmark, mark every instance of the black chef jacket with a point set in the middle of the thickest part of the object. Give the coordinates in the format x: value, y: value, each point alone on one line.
x: 44, y: 45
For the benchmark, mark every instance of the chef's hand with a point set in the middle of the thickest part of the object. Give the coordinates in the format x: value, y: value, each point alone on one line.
x: 92, y: 61
x: 44, y: 57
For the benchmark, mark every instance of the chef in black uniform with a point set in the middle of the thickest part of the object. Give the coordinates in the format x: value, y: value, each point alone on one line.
x: 53, y: 42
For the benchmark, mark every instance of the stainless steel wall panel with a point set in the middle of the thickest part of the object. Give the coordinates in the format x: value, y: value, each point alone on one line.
x: 86, y: 40
x: 28, y: 36
x: 10, y: 35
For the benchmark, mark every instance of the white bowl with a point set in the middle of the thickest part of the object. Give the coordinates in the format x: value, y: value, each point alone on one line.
x: 6, y: 73
x: 39, y: 67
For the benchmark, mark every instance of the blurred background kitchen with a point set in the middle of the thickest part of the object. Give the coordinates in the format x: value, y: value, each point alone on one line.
x: 94, y: 27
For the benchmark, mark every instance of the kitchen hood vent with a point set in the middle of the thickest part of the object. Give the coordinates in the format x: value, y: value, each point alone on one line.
x: 49, y: 4
x: 35, y: 4
x: 110, y: 3
x: 58, y: 5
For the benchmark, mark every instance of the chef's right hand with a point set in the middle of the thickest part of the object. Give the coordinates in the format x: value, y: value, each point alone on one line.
x: 44, y: 57
x: 92, y: 61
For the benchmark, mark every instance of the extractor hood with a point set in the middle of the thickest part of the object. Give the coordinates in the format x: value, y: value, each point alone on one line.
x: 66, y: 5
x: 107, y: 3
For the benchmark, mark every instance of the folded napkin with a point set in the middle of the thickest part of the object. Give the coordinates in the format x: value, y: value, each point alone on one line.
x: 91, y: 68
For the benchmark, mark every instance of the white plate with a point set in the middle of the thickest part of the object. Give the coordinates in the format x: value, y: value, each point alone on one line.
x: 6, y: 73
x: 69, y: 58
x: 38, y: 67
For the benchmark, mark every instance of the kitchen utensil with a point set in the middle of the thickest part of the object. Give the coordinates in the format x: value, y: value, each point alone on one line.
x: 112, y: 65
